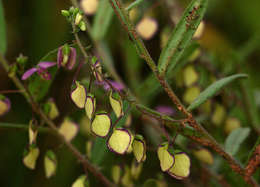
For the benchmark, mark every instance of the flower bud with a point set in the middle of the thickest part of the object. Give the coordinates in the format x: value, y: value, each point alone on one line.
x: 82, y: 25
x: 65, y: 13
x: 78, y: 18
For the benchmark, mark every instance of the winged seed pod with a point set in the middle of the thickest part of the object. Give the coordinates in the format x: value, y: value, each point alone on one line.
x: 119, y: 141
x: 53, y: 110
x: 204, y: 156
x: 139, y: 148
x: 78, y: 95
x: 68, y: 129
x: 147, y: 27
x: 90, y: 105
x: 31, y: 156
x: 116, y: 103
x: 116, y: 173
x: 50, y: 163
x: 181, y: 167
x: 136, y: 169
x: 167, y: 159
x: 130, y: 148
x: 101, y: 124
x: 81, y: 181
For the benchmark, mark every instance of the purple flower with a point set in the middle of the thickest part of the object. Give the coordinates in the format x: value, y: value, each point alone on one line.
x: 41, y: 69
x: 165, y: 110
x: 115, y: 85
x: 66, y: 57
x: 5, y: 106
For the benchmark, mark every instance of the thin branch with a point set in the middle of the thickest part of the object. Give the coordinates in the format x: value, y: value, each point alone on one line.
x: 30, y: 99
x: 141, y: 49
x: 23, y: 127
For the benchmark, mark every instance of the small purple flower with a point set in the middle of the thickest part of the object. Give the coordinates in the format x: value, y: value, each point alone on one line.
x: 166, y: 110
x: 115, y: 85
x: 5, y: 106
x: 66, y: 57
x: 41, y: 69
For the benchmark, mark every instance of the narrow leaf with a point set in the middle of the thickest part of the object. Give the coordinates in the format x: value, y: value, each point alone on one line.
x: 234, y: 140
x: 2, y: 30
x: 102, y: 20
x: 182, y: 35
x: 213, y: 89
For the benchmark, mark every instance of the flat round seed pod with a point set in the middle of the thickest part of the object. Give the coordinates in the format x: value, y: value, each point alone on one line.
x: 5, y: 105
x: 78, y: 95
x: 139, y: 149
x: 101, y: 125
x: 81, y: 181
x: 68, y: 129
x: 166, y: 158
x: 181, y: 167
x: 204, y: 156
x: 119, y: 141
x: 50, y: 164
x: 116, y: 104
x: 31, y: 157
x: 90, y: 106
x: 147, y: 27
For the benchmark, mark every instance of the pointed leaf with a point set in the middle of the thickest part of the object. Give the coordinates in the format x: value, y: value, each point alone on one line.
x: 213, y: 89
x: 234, y: 140
x: 3, y: 44
x: 182, y: 35
x: 102, y: 20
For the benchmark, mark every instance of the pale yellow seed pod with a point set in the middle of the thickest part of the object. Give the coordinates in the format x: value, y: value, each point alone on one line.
x: 204, y: 156
x: 89, y: 7
x: 218, y: 115
x: 199, y: 31
x: 231, y: 124
x: 147, y: 27
x: 190, y: 76
x: 191, y: 94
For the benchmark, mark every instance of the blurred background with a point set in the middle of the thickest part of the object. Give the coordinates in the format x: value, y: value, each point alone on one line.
x: 228, y: 44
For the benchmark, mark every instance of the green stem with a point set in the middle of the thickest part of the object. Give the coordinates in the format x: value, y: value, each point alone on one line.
x: 141, y: 49
x: 133, y: 5
x: 23, y: 127
x: 30, y: 99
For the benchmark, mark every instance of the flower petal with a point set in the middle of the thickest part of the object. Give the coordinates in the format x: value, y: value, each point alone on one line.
x: 72, y: 58
x: 29, y: 73
x: 59, y: 57
x: 46, y: 65
x: 165, y: 110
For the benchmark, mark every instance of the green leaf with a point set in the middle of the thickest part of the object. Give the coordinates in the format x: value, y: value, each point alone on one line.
x: 182, y: 35
x: 2, y: 30
x: 102, y: 20
x: 234, y: 140
x: 213, y: 89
